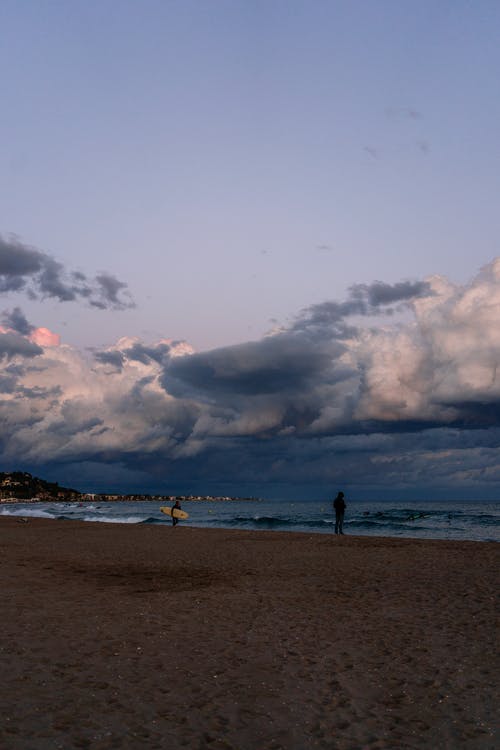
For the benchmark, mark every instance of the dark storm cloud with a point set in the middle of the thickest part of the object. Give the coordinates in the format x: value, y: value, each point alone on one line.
x: 18, y: 261
x: 28, y: 270
x: 379, y: 294
x: 329, y: 315
x: 48, y: 394
x: 51, y: 284
x: 143, y: 353
x: 12, y: 344
x: 74, y: 420
x: 10, y: 376
x: 16, y: 321
x: 7, y: 383
x: 477, y: 414
x: 275, y: 365
x: 110, y: 290
x: 137, y: 352
x: 363, y: 300
x: 114, y: 358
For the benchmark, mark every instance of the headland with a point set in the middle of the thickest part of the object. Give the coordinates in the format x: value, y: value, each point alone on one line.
x: 21, y: 486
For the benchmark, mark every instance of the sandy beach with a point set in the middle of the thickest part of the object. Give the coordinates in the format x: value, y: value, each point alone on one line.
x: 123, y: 636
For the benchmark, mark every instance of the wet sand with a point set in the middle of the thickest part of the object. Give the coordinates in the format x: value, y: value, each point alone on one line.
x: 120, y: 636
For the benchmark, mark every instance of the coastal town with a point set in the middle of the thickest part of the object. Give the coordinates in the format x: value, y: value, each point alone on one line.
x: 21, y: 486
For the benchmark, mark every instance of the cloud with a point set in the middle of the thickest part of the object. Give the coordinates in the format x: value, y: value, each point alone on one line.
x: 12, y: 345
x: 328, y: 318
x: 114, y: 358
x: 379, y: 294
x: 336, y: 397
x: 16, y: 321
x: 283, y: 363
x: 35, y: 273
x: 44, y: 337
x: 109, y: 290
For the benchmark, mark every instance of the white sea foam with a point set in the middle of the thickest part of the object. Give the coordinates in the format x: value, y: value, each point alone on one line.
x: 113, y: 519
x: 32, y: 512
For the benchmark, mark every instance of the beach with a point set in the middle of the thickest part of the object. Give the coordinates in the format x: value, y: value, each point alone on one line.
x: 140, y: 636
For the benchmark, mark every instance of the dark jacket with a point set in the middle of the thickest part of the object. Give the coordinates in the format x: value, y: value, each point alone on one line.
x: 339, y: 504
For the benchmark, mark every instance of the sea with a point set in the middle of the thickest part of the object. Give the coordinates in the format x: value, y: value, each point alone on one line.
x: 471, y: 520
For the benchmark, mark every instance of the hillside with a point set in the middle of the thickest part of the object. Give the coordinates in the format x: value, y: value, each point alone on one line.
x: 20, y: 485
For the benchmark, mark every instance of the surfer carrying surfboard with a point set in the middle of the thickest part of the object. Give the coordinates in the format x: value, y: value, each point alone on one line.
x: 175, y: 519
x: 339, y: 508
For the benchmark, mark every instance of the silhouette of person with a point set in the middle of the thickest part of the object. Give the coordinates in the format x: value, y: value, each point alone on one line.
x: 175, y: 506
x: 339, y: 508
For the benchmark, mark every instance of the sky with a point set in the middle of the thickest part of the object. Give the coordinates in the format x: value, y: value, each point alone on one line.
x: 251, y: 247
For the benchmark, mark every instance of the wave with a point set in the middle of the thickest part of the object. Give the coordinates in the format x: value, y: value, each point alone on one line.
x: 469, y: 522
x: 97, y: 519
x: 397, y: 515
x: 31, y: 512
x: 112, y: 519
x: 272, y: 522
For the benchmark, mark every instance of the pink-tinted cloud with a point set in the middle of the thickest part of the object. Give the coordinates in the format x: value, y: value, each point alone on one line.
x: 44, y: 337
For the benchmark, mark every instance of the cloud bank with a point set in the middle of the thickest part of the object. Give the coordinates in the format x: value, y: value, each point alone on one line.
x: 336, y: 398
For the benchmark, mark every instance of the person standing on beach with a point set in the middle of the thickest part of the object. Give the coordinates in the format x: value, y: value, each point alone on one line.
x: 175, y: 506
x: 339, y: 508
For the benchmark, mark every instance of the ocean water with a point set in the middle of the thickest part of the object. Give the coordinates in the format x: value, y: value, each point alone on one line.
x: 477, y: 521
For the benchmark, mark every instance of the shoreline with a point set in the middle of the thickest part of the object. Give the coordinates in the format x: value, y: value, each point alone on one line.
x: 119, y: 635
x: 92, y: 498
x: 268, y: 523
x: 188, y: 527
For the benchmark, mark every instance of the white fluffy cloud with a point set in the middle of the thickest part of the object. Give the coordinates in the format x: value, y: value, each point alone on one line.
x: 413, y: 400
x: 444, y: 363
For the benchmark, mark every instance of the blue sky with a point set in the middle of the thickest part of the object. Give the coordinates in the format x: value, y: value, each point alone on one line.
x: 234, y: 166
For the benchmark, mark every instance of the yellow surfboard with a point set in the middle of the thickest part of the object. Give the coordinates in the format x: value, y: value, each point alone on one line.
x: 176, y: 513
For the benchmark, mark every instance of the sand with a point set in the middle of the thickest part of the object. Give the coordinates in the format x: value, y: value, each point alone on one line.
x: 119, y: 636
